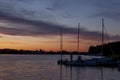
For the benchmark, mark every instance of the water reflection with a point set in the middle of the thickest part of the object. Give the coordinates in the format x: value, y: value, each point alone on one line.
x: 92, y: 73
x: 44, y: 67
x: 102, y: 76
x: 71, y: 73
x: 61, y: 72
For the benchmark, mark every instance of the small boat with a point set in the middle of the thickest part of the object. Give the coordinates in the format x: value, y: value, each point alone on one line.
x: 62, y: 62
x: 106, y: 62
x: 99, y: 62
x: 81, y: 62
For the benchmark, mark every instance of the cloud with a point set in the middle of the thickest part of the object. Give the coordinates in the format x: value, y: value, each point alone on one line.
x: 1, y: 36
x: 37, y: 27
x: 10, y: 42
x: 108, y: 14
x: 15, y: 31
x: 41, y: 28
x: 115, y: 37
x: 27, y: 25
x: 96, y: 36
x: 55, y: 10
x: 84, y: 34
x: 107, y: 8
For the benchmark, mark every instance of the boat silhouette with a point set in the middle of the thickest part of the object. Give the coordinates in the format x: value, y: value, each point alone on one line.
x: 102, y: 61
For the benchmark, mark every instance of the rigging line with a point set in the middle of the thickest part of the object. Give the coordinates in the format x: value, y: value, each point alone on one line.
x: 109, y: 41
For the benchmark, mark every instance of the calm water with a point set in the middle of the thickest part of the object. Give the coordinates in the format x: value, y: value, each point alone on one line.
x: 44, y: 67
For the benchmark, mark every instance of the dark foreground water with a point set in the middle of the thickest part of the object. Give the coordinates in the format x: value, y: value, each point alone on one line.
x: 44, y: 67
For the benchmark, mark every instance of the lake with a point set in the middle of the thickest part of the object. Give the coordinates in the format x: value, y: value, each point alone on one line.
x: 44, y: 67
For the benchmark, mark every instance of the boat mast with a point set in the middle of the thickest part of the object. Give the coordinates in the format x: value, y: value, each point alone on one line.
x: 78, y: 37
x: 61, y: 41
x: 102, y: 46
x: 102, y: 35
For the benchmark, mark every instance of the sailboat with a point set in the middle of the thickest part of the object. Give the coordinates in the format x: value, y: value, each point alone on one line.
x: 103, y: 61
x: 61, y: 61
x: 106, y: 62
x: 79, y: 61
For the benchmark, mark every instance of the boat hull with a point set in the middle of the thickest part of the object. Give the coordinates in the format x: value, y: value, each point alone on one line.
x: 92, y: 62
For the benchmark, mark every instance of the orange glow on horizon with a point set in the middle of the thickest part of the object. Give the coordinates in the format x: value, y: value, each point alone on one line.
x: 47, y: 44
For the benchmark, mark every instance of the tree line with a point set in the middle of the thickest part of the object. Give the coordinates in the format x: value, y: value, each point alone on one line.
x: 112, y: 48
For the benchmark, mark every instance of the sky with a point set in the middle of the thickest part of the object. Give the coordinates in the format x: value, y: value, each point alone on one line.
x: 36, y: 24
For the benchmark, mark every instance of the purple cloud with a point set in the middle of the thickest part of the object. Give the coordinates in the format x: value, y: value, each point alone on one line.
x: 38, y: 27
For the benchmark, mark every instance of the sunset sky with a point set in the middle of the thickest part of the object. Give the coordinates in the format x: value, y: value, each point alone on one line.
x: 36, y: 24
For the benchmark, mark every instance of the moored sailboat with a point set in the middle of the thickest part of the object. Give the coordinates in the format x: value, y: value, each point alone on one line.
x: 106, y: 62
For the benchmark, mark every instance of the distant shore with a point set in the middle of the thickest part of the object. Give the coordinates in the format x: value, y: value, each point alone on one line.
x: 39, y: 52
x: 85, y: 53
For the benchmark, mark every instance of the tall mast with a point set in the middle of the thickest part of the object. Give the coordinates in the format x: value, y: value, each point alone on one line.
x: 102, y: 34
x: 102, y: 45
x: 61, y: 41
x: 78, y: 37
